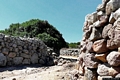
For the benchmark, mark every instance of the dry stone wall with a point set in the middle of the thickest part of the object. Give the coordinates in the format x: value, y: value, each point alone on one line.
x: 17, y: 51
x: 70, y: 52
x: 100, y: 47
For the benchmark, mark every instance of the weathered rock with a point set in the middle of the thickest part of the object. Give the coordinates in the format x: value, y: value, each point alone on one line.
x: 95, y: 35
x: 102, y: 70
x: 113, y: 58
x: 112, y: 5
x: 5, y: 51
x: 90, y: 74
x: 96, y: 24
x: 18, y: 60
x: 89, y: 46
x: 91, y: 18
x: 26, y: 61
x: 113, y: 71
x: 100, y: 46
x: 86, y: 35
x: 111, y: 44
x: 12, y: 54
x: 34, y: 58
x: 117, y: 14
x: 14, y: 45
x: 101, y: 57
x: 25, y: 55
x: 25, y: 51
x: 105, y: 30
x: 103, y: 20
x: 99, y: 14
x: 3, y: 60
x: 101, y: 7
x: 41, y: 61
x: 90, y: 61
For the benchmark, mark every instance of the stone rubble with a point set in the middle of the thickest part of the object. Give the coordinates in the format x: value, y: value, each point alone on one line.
x: 101, y: 42
x: 18, y: 51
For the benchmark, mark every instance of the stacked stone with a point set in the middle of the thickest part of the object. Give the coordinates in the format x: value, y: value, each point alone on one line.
x: 70, y: 52
x: 100, y: 46
x: 17, y: 51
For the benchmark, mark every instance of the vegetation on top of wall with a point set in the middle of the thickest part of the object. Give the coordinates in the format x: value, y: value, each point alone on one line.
x: 40, y: 29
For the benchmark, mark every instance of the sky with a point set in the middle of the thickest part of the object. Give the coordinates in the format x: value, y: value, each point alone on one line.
x: 67, y: 16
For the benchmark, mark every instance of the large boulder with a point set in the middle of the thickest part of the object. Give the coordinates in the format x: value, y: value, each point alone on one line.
x: 113, y: 35
x: 105, y: 30
x: 91, y: 18
x: 34, y: 58
x: 95, y: 35
x: 101, y: 57
x: 113, y: 58
x: 17, y: 60
x: 102, y: 70
x: 100, y: 46
x: 90, y: 61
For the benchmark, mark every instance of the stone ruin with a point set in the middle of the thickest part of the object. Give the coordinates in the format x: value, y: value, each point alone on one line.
x: 100, y: 47
x: 18, y: 51
x: 70, y: 52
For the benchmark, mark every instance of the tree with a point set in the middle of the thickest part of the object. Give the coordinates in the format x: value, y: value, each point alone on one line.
x: 40, y: 29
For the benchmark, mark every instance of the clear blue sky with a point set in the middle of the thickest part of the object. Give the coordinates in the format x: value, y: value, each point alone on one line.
x: 66, y: 15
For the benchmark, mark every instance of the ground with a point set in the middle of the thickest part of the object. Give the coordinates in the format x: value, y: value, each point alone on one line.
x: 36, y: 72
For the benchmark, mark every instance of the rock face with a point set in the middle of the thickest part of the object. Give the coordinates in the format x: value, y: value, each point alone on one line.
x: 17, y: 51
x: 101, y: 41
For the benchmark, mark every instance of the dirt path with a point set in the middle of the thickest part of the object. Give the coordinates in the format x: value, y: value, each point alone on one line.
x: 47, y: 73
x: 37, y: 73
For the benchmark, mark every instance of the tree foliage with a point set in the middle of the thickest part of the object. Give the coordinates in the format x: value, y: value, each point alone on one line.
x: 40, y: 29
x: 74, y: 44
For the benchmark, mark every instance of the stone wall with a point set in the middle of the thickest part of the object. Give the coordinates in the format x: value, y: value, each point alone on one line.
x: 70, y: 52
x: 17, y: 51
x: 100, y: 47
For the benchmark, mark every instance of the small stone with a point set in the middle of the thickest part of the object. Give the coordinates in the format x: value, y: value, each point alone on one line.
x: 12, y: 54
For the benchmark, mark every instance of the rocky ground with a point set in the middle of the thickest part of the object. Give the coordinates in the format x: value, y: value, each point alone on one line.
x: 62, y: 71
